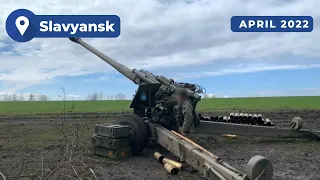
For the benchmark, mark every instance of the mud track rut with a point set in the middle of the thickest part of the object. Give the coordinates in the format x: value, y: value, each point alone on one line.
x: 33, y: 146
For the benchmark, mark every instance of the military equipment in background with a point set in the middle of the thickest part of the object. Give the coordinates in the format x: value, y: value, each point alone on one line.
x: 254, y: 125
x: 112, y: 131
x: 240, y: 118
x: 154, y: 119
x: 112, y: 141
x: 152, y: 101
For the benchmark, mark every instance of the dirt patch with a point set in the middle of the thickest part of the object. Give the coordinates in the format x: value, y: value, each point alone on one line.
x: 34, y: 147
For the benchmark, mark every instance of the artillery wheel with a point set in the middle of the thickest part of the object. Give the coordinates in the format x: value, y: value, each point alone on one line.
x: 138, y: 131
x: 296, y: 123
x: 259, y: 168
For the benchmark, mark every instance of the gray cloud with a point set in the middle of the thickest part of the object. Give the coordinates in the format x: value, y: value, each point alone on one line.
x: 158, y: 34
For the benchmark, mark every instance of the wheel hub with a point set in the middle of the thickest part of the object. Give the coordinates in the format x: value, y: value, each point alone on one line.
x: 259, y: 168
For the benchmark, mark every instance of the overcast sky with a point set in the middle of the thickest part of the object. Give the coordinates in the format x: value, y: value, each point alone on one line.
x: 183, y: 39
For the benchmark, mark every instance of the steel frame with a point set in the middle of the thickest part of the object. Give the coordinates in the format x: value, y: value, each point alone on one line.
x: 210, y: 165
x: 212, y: 168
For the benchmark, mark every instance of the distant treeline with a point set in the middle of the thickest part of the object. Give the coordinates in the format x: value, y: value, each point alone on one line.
x: 90, y: 97
x: 21, y: 97
x: 99, y: 96
x: 41, y: 97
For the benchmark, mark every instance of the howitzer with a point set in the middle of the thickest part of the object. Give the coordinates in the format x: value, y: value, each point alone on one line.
x: 154, y: 117
x: 152, y: 97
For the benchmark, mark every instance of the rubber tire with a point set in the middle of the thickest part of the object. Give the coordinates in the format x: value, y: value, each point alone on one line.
x: 139, y: 130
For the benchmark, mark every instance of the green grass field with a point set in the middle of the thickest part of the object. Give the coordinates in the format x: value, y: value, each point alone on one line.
x: 307, y: 102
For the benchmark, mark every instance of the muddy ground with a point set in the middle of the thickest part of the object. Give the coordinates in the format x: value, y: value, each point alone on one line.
x: 51, y: 146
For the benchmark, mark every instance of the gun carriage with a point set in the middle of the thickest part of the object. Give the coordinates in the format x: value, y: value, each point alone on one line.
x: 153, y: 117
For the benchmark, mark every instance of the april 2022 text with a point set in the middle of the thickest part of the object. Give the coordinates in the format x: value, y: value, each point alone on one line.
x: 271, y: 23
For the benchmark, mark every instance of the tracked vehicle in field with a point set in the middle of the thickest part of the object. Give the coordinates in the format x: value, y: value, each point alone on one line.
x: 152, y: 120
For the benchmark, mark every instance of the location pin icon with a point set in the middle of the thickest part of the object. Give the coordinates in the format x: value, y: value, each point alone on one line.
x: 22, y: 24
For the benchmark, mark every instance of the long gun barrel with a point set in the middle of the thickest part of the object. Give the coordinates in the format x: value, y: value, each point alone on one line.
x: 134, y: 75
x: 138, y: 77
